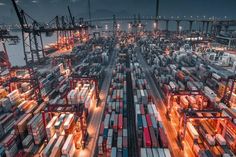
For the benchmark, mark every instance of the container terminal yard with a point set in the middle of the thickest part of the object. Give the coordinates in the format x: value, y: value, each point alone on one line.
x: 113, y: 92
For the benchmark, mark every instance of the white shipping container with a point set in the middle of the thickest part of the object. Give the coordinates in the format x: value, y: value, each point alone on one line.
x: 143, y: 152
x: 119, y: 143
x: 56, y: 151
x: 192, y: 131
x: 125, y: 133
x: 173, y: 85
x: 216, y: 76
x: 149, y: 152
x: 161, y: 152
x: 150, y: 110
x: 155, y: 152
x: 109, y: 143
x: 68, y: 144
x: 100, y: 149
x: 47, y: 150
x: 110, y: 132
x: 50, y: 129
x: 210, y: 139
x: 226, y: 155
x: 106, y: 121
x: 167, y: 152
x: 68, y: 121
x: 220, y: 139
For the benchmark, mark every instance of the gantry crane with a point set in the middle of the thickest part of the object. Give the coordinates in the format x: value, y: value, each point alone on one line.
x: 66, y: 59
x: 229, y: 89
x: 172, y: 94
x: 32, y: 34
x: 76, y: 78
x: 77, y: 109
x: 32, y: 79
x: 209, y: 114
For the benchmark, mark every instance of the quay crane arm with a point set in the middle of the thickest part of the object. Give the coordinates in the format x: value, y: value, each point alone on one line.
x: 71, y: 17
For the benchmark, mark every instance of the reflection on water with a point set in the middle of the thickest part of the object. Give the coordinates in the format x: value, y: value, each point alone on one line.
x: 15, y: 52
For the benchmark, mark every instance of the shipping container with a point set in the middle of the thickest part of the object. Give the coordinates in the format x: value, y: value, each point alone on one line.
x: 143, y: 152
x: 149, y: 152
x: 113, y: 152
x: 146, y: 137
x: 149, y: 121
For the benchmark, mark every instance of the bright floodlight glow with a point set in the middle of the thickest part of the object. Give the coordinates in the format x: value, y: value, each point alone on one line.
x: 118, y: 26
x: 154, y: 24
x: 129, y: 26
x: 180, y: 28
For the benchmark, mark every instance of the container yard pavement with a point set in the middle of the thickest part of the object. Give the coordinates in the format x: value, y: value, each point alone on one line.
x: 94, y: 124
x: 170, y: 131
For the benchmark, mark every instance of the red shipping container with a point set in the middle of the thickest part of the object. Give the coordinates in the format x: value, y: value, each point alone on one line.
x: 146, y: 138
x: 115, y: 126
x: 120, y: 121
x: 121, y: 105
x: 149, y: 121
x: 104, y: 144
x: 166, y: 88
x: 163, y: 138
x: 180, y: 75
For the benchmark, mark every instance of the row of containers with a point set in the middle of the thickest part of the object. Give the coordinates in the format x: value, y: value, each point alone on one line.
x: 22, y: 126
x: 206, y: 137
x: 113, y: 135
x: 20, y: 120
x: 70, y: 127
x: 150, y: 131
x: 63, y: 138
x: 204, y: 141
x: 90, y: 63
x: 186, y: 73
x: 24, y: 133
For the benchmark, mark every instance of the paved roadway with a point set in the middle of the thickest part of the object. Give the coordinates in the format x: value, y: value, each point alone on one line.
x: 94, y: 124
x: 169, y: 129
x: 132, y: 135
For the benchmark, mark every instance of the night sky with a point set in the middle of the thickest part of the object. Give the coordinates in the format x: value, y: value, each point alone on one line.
x: 106, y: 8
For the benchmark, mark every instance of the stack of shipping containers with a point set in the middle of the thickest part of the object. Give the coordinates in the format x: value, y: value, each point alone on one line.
x: 113, y: 140
x: 178, y: 73
x: 152, y: 139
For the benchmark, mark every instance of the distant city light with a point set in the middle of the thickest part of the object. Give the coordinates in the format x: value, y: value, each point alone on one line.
x: 106, y: 27
x: 129, y: 26
x: 118, y: 26
x: 154, y: 24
